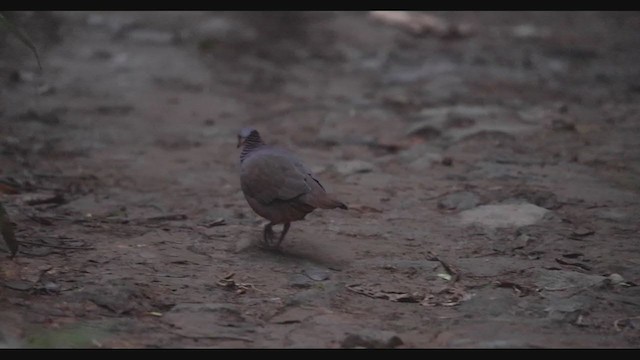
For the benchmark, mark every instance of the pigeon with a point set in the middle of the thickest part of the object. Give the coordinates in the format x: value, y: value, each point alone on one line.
x: 278, y: 186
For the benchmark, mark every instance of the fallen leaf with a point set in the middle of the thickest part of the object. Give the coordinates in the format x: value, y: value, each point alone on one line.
x: 576, y: 264
x: 396, y: 296
x: 217, y: 222
x: 582, y: 231
x: 420, y: 23
x: 450, y: 296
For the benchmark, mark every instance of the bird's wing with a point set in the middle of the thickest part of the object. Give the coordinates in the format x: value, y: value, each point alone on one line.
x: 268, y: 177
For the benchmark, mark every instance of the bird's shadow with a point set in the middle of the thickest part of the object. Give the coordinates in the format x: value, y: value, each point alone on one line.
x: 294, y: 254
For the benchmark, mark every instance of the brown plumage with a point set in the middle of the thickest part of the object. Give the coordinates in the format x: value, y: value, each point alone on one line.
x: 277, y: 185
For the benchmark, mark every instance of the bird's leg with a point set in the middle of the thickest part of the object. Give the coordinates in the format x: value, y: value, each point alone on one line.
x: 285, y: 228
x: 267, y: 234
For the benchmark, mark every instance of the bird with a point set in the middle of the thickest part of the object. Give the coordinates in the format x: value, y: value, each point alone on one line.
x: 278, y: 186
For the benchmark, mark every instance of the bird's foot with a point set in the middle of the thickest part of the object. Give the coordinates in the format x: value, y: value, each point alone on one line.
x: 285, y: 228
x: 267, y: 236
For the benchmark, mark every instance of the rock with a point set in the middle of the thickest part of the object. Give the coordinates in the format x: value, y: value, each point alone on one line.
x: 568, y: 309
x: 293, y: 315
x: 208, y: 320
x: 372, y: 339
x: 582, y: 231
x: 419, y: 156
x: 492, y: 170
x: 120, y: 299
x: 300, y: 281
x: 521, y: 241
x: 616, y: 279
x: 542, y: 198
x: 494, y: 303
x: 426, y: 161
x: 317, y: 296
x: 503, y: 215
x: 528, y: 31
x: 317, y: 273
x: 467, y: 121
x: 242, y: 244
x: 351, y: 167
x: 611, y: 214
x: 459, y: 201
x: 555, y: 280
x: 424, y: 129
x: 223, y: 28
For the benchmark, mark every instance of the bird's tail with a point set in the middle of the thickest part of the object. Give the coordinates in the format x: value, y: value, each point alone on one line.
x: 328, y: 202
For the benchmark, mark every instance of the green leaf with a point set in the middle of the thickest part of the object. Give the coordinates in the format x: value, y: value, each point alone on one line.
x: 20, y: 35
x: 6, y: 229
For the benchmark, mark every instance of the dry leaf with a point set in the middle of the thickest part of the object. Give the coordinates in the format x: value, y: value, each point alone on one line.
x: 420, y: 23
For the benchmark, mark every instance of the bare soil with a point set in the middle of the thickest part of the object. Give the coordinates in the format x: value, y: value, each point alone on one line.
x: 493, y: 179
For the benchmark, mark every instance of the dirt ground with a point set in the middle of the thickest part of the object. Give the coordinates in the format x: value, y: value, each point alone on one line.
x: 491, y: 166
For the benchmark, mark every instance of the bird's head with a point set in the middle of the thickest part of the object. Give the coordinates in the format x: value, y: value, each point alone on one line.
x: 247, y: 133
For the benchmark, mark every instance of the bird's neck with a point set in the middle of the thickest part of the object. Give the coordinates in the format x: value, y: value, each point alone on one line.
x: 251, y: 143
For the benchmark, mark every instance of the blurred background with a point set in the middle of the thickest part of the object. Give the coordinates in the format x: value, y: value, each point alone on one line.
x: 500, y: 141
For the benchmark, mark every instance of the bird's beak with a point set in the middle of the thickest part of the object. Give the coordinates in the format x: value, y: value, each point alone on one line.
x: 240, y: 142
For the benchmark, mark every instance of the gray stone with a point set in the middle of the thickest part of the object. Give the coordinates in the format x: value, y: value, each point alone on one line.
x: 300, y: 281
x: 317, y: 273
x: 503, y: 215
x: 424, y: 129
x: 208, y: 320
x: 120, y: 299
x: 528, y: 31
x: 477, y: 120
x: 555, y: 280
x: 616, y: 279
x: 568, y: 309
x: 426, y: 161
x: 491, y: 302
x: 459, y: 201
x: 351, y: 167
x: 611, y: 214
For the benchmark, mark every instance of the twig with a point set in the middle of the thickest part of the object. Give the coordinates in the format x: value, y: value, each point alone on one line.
x: 615, y: 323
x: 228, y: 282
x: 217, y: 222
x: 58, y: 246
x: 455, y: 275
x: 215, y: 337
x: 579, y: 265
x: 164, y: 218
x: 57, y: 199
